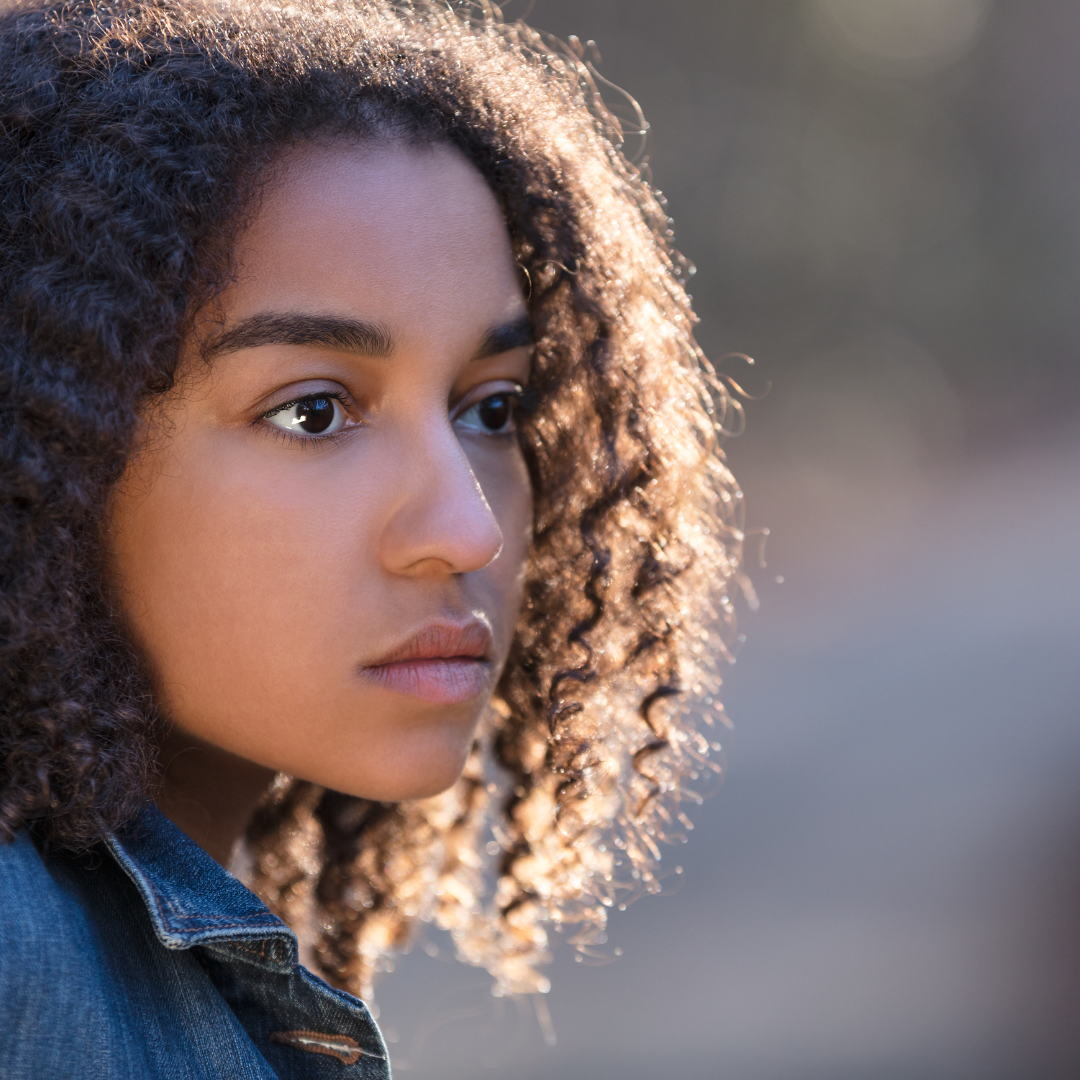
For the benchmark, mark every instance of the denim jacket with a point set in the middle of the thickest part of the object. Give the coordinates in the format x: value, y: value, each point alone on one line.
x: 144, y: 958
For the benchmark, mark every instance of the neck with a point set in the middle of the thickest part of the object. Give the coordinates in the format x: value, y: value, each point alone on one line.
x: 209, y: 793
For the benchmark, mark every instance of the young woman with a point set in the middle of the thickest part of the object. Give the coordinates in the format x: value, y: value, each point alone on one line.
x: 361, y: 512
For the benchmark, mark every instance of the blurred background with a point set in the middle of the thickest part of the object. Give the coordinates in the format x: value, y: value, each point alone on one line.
x: 882, y: 198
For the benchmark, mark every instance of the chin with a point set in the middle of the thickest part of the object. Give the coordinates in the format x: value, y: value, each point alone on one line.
x: 420, y: 784
x: 410, y: 769
x: 435, y: 785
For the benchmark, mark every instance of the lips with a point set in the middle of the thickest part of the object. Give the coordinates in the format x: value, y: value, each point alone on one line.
x: 443, y: 663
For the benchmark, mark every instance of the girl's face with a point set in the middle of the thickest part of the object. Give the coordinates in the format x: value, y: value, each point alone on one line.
x: 320, y: 546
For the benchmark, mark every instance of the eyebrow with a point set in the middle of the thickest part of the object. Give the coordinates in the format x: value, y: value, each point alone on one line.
x: 298, y: 328
x: 499, y: 339
x: 348, y: 335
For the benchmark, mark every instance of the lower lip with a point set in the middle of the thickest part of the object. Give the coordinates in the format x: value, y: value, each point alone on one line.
x: 442, y: 681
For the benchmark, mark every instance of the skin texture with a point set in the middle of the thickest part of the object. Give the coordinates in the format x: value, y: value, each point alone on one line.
x: 263, y: 574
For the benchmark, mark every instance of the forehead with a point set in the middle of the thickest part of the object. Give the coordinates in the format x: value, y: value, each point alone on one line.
x: 387, y: 227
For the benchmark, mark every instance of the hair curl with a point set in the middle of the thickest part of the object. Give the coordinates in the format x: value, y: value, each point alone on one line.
x: 133, y: 134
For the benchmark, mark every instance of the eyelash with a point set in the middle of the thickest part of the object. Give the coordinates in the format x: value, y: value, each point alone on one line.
x: 305, y: 440
x: 527, y: 401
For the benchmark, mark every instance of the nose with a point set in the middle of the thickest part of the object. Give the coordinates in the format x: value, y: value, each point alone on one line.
x: 440, y: 521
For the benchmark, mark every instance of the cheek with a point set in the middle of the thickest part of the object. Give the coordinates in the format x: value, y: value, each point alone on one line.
x: 235, y: 572
x: 506, y: 486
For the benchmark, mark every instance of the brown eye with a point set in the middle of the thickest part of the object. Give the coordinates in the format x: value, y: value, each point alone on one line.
x: 495, y: 411
x: 316, y: 415
x: 494, y: 415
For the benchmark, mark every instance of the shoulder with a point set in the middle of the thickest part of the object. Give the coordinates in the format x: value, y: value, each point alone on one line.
x: 43, y: 925
x: 54, y: 975
x: 28, y: 894
x: 27, y: 890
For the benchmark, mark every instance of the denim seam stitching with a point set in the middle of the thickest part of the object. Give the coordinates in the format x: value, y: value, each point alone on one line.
x: 168, y: 909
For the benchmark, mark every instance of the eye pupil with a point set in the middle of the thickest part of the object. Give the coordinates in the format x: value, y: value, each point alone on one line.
x: 495, y: 411
x: 314, y: 415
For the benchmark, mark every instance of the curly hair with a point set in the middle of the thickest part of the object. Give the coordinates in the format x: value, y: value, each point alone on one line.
x: 133, y: 138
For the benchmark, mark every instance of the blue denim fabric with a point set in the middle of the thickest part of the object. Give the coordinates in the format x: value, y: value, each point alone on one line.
x: 144, y: 958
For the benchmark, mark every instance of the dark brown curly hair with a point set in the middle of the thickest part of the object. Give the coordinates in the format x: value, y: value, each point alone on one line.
x: 133, y: 137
